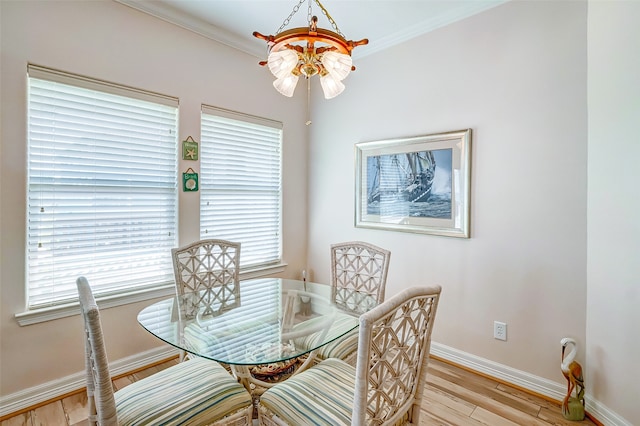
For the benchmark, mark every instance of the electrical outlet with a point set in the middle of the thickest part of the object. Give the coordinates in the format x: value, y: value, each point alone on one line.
x: 500, y: 330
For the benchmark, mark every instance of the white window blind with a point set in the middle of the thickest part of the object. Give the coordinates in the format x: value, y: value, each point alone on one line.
x: 102, y: 187
x: 240, y: 184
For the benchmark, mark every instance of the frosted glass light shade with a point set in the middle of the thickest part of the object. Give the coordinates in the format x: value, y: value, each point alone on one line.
x: 286, y: 85
x: 338, y: 64
x: 331, y: 86
x: 282, y: 63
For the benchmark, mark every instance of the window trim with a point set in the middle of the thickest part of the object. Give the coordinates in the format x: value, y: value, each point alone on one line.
x: 50, y: 313
x: 45, y: 73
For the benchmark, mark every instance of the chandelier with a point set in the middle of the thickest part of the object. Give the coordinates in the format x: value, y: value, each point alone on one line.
x: 309, y: 51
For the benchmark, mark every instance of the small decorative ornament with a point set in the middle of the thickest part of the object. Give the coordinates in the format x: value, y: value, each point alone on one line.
x: 189, y: 181
x: 189, y: 149
x: 572, y: 406
x: 305, y: 301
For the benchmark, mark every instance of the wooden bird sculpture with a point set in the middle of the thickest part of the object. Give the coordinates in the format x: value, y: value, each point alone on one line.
x: 572, y: 407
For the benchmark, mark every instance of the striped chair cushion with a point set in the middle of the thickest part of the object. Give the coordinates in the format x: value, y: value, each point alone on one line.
x: 342, y: 347
x: 188, y: 385
x: 298, y: 400
x: 200, y: 342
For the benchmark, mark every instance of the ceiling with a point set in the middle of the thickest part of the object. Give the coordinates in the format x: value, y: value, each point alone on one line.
x: 384, y: 22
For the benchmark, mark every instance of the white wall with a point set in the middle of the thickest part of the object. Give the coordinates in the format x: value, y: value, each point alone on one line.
x: 613, y: 296
x: 521, y: 87
x: 516, y: 75
x: 109, y: 41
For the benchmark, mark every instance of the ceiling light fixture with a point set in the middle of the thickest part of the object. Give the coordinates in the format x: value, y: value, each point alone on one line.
x: 309, y: 51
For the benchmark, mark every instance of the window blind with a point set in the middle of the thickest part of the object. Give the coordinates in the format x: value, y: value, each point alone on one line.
x: 240, y: 184
x: 102, y: 187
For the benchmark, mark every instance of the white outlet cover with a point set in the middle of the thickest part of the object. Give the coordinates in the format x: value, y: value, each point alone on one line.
x: 499, y: 330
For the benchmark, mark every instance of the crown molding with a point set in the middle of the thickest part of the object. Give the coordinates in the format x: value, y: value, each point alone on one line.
x: 256, y: 48
x: 198, y: 26
x: 428, y: 24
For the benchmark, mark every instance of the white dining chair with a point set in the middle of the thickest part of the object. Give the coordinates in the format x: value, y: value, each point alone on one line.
x: 384, y: 388
x: 358, y: 282
x: 211, y: 268
x: 207, y: 278
x: 195, y: 392
x: 359, y: 266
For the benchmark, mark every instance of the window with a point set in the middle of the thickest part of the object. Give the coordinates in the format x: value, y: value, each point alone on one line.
x: 102, y: 187
x: 240, y: 184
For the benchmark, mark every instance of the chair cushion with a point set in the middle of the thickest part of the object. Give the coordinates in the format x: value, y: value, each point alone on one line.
x: 342, y: 347
x: 322, y: 395
x: 200, y: 342
x: 194, y: 392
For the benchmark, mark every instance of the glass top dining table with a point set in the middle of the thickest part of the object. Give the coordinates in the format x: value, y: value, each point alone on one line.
x: 259, y: 321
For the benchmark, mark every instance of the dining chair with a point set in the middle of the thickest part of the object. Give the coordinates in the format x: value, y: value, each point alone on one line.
x: 384, y: 388
x: 206, y: 275
x: 358, y: 266
x: 195, y: 392
x: 210, y: 268
x: 358, y: 282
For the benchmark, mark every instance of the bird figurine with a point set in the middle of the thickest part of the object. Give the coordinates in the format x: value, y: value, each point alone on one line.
x: 572, y: 407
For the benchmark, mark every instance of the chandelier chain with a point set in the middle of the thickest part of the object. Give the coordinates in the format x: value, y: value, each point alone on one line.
x: 326, y: 13
x: 288, y: 18
x: 309, y: 13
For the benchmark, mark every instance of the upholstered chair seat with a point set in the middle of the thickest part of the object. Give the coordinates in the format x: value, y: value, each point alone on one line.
x: 386, y: 385
x: 195, y: 392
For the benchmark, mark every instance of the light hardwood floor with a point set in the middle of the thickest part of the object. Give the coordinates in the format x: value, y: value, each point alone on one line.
x: 453, y: 396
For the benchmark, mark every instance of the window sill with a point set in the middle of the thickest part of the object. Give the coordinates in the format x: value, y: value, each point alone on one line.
x: 70, y: 309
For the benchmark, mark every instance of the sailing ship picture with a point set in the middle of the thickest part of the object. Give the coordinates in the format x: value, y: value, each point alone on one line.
x: 415, y: 184
x: 419, y: 184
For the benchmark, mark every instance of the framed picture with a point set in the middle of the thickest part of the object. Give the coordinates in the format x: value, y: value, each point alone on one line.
x: 419, y: 184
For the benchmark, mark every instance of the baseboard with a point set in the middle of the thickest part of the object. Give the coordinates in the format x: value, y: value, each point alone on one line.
x: 603, y: 414
x: 36, y: 395
x: 538, y: 385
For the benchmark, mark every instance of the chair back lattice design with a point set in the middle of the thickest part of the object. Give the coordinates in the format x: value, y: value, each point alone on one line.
x: 393, y: 353
x: 207, y: 271
x: 101, y: 401
x: 358, y: 268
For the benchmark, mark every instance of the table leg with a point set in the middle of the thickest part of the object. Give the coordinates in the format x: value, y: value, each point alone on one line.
x: 243, y: 374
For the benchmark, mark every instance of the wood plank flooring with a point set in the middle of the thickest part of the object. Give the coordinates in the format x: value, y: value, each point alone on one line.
x: 453, y: 396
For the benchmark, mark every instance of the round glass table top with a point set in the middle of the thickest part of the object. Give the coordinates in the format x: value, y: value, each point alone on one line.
x: 258, y: 321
